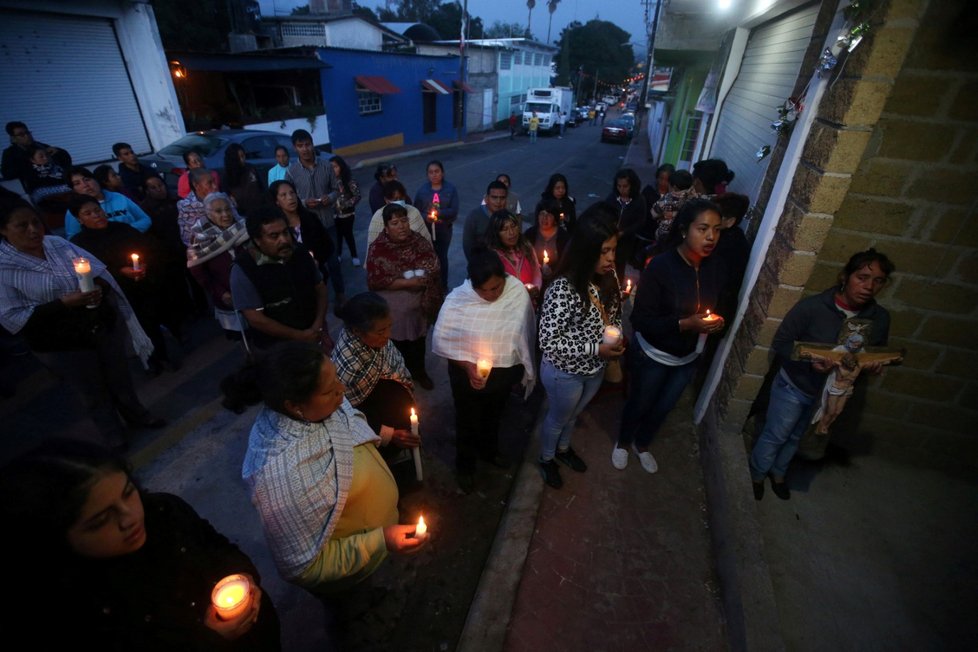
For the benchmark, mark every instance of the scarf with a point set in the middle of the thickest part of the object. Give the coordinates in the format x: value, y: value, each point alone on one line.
x: 208, y: 240
x: 27, y: 282
x: 501, y: 331
x: 389, y: 260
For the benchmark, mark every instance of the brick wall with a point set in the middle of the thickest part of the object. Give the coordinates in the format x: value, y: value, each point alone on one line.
x: 891, y: 162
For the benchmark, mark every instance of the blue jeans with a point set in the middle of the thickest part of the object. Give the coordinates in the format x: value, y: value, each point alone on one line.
x: 654, y: 389
x: 567, y: 395
x: 788, y: 416
x: 533, y: 135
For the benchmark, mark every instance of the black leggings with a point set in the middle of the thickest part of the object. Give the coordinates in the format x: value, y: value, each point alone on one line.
x: 344, y: 232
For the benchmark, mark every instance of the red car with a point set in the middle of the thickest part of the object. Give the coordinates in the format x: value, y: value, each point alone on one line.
x: 615, y: 131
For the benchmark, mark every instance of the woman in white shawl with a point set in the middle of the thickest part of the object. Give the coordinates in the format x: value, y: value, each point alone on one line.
x: 327, y: 501
x: 488, y: 320
x: 79, y: 335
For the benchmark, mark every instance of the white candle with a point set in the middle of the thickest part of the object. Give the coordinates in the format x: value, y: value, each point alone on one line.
x: 419, y: 273
x: 701, y: 342
x: 612, y: 335
x: 546, y: 257
x: 422, y: 529
x: 434, y: 225
x: 416, y: 451
x: 484, y: 367
x: 136, y: 267
x: 409, y: 273
x: 231, y: 596
x: 83, y: 269
x: 628, y: 287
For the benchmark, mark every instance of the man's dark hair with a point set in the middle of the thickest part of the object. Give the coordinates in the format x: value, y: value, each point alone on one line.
x: 14, y: 125
x: 732, y: 205
x: 283, y: 148
x: 118, y: 147
x: 497, y: 185
x: 868, y: 257
x: 300, y: 135
x: 362, y: 311
x: 264, y: 215
x: 483, y: 265
x: 80, y: 171
x: 680, y: 179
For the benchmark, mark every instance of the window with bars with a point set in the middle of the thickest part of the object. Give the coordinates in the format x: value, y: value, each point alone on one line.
x: 537, y: 59
x: 518, y: 58
x: 693, y: 121
x: 302, y: 29
x: 505, y: 60
x: 368, y: 102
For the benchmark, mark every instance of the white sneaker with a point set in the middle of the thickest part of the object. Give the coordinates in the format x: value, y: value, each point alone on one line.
x: 356, y: 262
x: 619, y: 458
x: 648, y: 462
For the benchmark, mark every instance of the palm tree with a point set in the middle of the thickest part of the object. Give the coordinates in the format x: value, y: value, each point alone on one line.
x: 530, y: 4
x: 552, y: 6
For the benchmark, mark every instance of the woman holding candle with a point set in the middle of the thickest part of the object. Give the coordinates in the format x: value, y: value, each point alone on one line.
x: 80, y: 335
x: 327, y: 501
x: 123, y: 568
x: 437, y: 200
x: 798, y: 385
x: 515, y: 251
x: 489, y: 317
x: 547, y: 238
x: 558, y: 190
x: 373, y: 371
x: 674, y: 293
x: 580, y: 331
x: 212, y: 252
x: 126, y: 253
x: 402, y: 268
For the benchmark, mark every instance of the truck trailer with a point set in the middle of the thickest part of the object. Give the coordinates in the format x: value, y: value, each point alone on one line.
x: 547, y: 103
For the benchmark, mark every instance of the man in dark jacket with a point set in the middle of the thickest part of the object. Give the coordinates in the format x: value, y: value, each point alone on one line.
x: 16, y: 158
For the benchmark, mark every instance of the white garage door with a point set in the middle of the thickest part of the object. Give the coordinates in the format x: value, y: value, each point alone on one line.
x: 766, y: 79
x: 65, y: 77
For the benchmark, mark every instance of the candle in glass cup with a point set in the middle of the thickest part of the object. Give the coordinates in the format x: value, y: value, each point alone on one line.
x: 231, y: 596
x: 83, y: 269
x: 612, y: 335
x: 701, y: 342
x: 484, y: 367
x: 136, y: 265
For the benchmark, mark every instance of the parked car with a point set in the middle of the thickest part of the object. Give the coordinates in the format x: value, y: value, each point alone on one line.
x: 582, y: 114
x: 629, y: 120
x: 615, y: 131
x: 259, y: 149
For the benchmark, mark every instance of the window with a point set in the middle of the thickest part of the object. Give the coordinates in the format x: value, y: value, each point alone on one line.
x: 518, y: 58
x: 693, y: 120
x: 303, y: 29
x: 368, y: 102
x: 515, y: 100
x: 537, y: 59
x: 505, y: 60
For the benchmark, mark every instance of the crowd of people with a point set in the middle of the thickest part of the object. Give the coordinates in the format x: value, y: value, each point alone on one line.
x: 546, y: 302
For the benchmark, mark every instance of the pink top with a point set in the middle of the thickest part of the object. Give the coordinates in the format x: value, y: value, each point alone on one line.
x: 527, y: 270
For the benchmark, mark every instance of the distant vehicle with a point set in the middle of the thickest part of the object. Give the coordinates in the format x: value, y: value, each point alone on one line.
x: 259, y: 147
x: 583, y: 113
x: 615, y: 131
x: 629, y: 120
x: 546, y: 103
x: 609, y: 99
x: 601, y: 106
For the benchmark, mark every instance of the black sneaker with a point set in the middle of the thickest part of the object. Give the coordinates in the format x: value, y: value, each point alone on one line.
x: 781, y: 490
x: 758, y: 489
x: 551, y: 474
x: 570, y: 458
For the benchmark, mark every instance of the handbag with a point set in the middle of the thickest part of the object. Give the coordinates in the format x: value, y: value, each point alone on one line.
x: 613, y: 372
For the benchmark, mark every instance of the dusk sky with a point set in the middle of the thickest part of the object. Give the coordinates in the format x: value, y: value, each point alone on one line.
x: 627, y: 14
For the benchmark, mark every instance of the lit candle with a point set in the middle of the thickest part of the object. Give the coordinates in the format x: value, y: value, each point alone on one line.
x: 422, y: 529
x: 83, y: 269
x: 416, y: 451
x: 628, y: 287
x: 709, y: 318
x: 136, y: 267
x: 612, y: 335
x: 546, y: 257
x: 484, y: 367
x: 529, y: 287
x: 562, y: 217
x: 231, y: 596
x: 434, y: 224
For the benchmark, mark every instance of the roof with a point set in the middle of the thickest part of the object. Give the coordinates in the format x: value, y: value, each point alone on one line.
x: 503, y: 43
x: 245, y: 62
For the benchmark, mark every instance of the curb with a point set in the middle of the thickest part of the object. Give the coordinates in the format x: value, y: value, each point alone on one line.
x: 424, y: 150
x: 492, y: 607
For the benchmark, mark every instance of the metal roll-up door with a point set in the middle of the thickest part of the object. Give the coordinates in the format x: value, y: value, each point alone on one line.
x: 766, y: 79
x: 66, y: 78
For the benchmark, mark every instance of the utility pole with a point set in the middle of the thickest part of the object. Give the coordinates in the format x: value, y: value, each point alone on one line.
x: 648, y: 64
x: 461, y: 72
x: 595, y: 93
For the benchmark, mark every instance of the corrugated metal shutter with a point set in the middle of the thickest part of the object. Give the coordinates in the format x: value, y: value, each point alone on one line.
x: 766, y: 79
x: 65, y: 77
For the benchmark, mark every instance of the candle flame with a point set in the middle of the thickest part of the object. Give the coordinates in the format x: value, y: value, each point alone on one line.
x: 412, y: 413
x: 707, y: 312
x: 422, y: 527
x: 546, y: 257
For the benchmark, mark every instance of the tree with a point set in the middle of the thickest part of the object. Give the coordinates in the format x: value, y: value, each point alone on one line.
x: 364, y: 12
x: 447, y: 21
x: 499, y: 29
x: 530, y: 4
x: 598, y: 48
x: 207, y: 32
x: 552, y: 7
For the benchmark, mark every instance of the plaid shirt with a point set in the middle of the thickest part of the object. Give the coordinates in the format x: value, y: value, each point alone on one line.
x: 190, y: 210
x: 361, y: 367
x: 313, y: 183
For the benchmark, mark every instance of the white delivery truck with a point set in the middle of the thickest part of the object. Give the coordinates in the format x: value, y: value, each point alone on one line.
x: 547, y: 102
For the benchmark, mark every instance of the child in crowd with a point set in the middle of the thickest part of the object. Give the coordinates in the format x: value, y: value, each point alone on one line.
x: 664, y: 210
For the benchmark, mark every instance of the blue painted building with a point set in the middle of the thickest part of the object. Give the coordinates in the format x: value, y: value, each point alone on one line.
x: 380, y: 100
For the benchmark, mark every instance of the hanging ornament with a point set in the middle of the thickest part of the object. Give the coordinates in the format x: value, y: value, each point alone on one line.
x: 762, y: 153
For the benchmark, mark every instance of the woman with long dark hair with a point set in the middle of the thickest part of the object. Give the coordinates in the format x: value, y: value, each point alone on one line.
x: 558, y: 190
x: 438, y: 197
x: 137, y: 568
x: 631, y: 215
x: 303, y: 223
x: 514, y: 250
x: 242, y: 181
x: 580, y: 314
x: 670, y: 322
x: 347, y: 197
